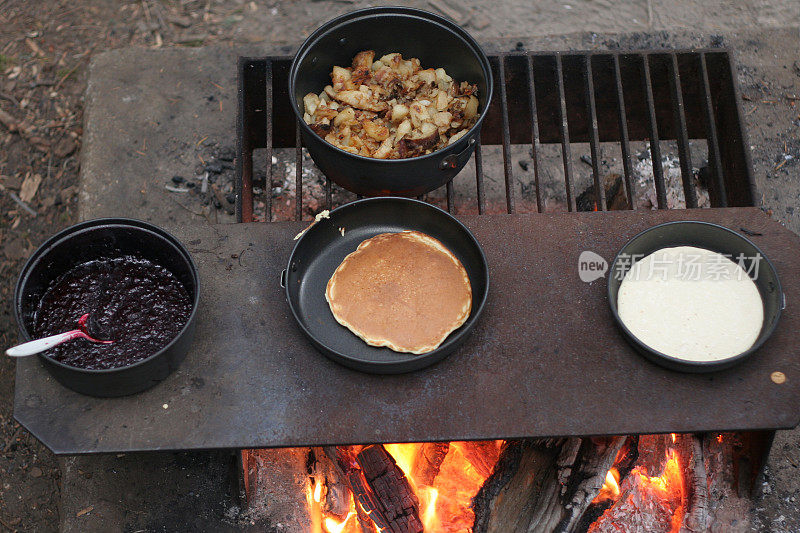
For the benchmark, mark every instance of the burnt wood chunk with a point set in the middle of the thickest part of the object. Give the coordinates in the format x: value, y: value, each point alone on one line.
x: 429, y: 460
x: 481, y: 454
x: 336, y: 492
x: 544, y: 484
x: 695, y: 483
x: 394, y: 499
x: 616, y: 199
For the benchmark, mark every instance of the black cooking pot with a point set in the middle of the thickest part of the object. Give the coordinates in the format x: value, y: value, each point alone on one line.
x: 103, y: 238
x: 437, y: 42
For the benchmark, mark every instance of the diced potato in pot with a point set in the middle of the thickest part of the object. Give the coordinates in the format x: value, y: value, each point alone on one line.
x: 391, y: 108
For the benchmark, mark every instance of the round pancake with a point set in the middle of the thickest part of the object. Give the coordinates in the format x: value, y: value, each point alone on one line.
x: 691, y: 303
x: 405, y: 291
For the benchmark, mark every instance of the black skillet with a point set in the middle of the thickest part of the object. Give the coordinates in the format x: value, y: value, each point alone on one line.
x: 322, y: 248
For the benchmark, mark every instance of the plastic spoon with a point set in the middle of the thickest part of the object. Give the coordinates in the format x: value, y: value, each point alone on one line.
x: 40, y: 345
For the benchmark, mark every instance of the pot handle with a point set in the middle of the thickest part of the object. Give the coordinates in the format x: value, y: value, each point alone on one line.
x: 451, y: 161
x: 283, y: 278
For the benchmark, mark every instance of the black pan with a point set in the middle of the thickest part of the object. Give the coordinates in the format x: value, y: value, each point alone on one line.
x: 436, y: 42
x: 321, y: 250
x: 107, y: 237
x: 711, y: 237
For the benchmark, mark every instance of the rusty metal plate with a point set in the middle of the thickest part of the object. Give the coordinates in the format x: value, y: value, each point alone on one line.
x: 545, y: 359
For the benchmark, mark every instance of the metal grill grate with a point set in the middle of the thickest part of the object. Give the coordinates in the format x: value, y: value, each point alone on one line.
x: 558, y: 98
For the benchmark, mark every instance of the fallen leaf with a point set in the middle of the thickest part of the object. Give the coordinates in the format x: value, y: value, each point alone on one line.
x: 84, y: 511
x: 40, y: 143
x: 12, y: 182
x: 66, y: 193
x: 15, y: 249
x: 29, y: 187
x: 64, y: 147
x: 35, y: 472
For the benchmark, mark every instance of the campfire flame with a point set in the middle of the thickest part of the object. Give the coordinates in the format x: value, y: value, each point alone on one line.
x: 610, y: 489
x: 666, y: 488
x: 444, y: 507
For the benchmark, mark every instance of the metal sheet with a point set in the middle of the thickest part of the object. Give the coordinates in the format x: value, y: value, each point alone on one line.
x: 545, y: 359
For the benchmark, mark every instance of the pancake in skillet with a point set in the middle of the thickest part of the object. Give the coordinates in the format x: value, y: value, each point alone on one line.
x: 405, y: 291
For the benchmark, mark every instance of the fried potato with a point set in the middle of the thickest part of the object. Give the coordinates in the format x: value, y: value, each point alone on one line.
x: 391, y: 108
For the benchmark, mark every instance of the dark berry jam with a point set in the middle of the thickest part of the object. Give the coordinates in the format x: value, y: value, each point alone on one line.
x: 133, y: 301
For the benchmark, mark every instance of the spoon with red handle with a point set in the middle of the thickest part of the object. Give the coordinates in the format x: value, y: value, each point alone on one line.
x: 40, y: 345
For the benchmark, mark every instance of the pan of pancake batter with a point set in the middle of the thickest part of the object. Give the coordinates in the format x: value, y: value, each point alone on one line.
x: 322, y: 248
x: 708, y: 237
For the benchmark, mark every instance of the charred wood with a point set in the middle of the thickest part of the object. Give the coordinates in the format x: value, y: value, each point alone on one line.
x: 336, y: 495
x: 616, y: 199
x: 695, y: 484
x: 394, y: 501
x: 544, y: 485
x: 429, y: 460
x: 639, y: 508
x: 482, y: 455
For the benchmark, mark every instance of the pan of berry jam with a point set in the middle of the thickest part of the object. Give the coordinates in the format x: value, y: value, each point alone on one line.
x: 140, y: 287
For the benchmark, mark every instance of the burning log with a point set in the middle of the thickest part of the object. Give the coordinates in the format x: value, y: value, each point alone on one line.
x: 394, y: 500
x: 644, y: 505
x: 385, y: 500
x: 336, y: 492
x: 729, y: 504
x: 616, y: 199
x: 482, y: 455
x: 544, y: 484
x: 671, y: 496
x: 695, y: 484
x: 429, y: 460
x: 275, y: 483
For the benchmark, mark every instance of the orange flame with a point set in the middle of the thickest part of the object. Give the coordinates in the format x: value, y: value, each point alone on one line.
x: 610, y: 489
x: 444, y: 507
x: 314, y: 497
x: 667, y: 488
x: 334, y: 526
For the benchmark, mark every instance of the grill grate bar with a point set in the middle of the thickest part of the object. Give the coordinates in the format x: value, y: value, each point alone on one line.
x: 655, y: 149
x: 244, y: 157
x: 298, y: 173
x: 269, y: 140
x: 717, y: 183
x: 566, y: 152
x: 535, y: 144
x: 684, y: 152
x: 245, y: 211
x: 625, y: 145
x: 591, y: 97
x: 599, y: 187
x: 479, y: 177
x: 507, y: 170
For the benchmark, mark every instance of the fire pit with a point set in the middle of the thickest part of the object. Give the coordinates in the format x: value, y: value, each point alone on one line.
x: 649, y: 483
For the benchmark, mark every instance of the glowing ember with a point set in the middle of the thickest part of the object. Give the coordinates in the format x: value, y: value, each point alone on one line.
x: 649, y: 503
x: 333, y: 526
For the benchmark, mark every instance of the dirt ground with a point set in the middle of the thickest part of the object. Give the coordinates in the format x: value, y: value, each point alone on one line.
x: 45, y: 48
